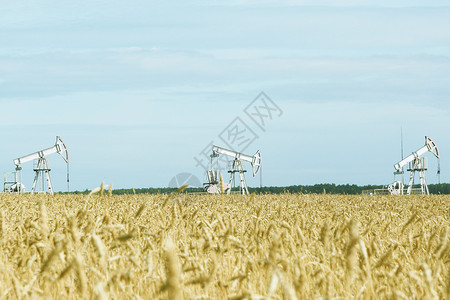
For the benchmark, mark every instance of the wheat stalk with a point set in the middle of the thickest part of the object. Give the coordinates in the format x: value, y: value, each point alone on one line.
x: 173, y: 271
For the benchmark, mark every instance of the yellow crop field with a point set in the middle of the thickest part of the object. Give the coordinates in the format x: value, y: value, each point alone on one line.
x: 182, y: 246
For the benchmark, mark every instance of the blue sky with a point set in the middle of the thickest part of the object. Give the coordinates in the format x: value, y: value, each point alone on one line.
x: 137, y: 90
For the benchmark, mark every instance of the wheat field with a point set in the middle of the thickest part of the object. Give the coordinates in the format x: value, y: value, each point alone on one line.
x: 182, y: 246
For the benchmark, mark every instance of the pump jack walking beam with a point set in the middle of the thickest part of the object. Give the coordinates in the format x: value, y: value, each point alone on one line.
x: 59, y: 147
x: 430, y: 145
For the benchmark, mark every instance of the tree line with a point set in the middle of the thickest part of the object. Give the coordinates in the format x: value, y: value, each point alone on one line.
x: 328, y: 188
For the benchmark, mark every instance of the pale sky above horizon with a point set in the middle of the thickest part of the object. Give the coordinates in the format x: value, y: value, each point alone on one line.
x: 138, y: 89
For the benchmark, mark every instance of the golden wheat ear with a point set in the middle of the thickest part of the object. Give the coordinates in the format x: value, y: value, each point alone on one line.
x: 221, y: 184
x: 182, y: 188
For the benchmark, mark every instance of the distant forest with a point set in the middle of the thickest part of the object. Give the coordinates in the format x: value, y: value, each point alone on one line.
x: 329, y: 188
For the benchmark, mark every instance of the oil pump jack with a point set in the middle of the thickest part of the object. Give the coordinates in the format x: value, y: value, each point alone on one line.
x: 415, y: 163
x: 213, y: 186
x: 13, y: 180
